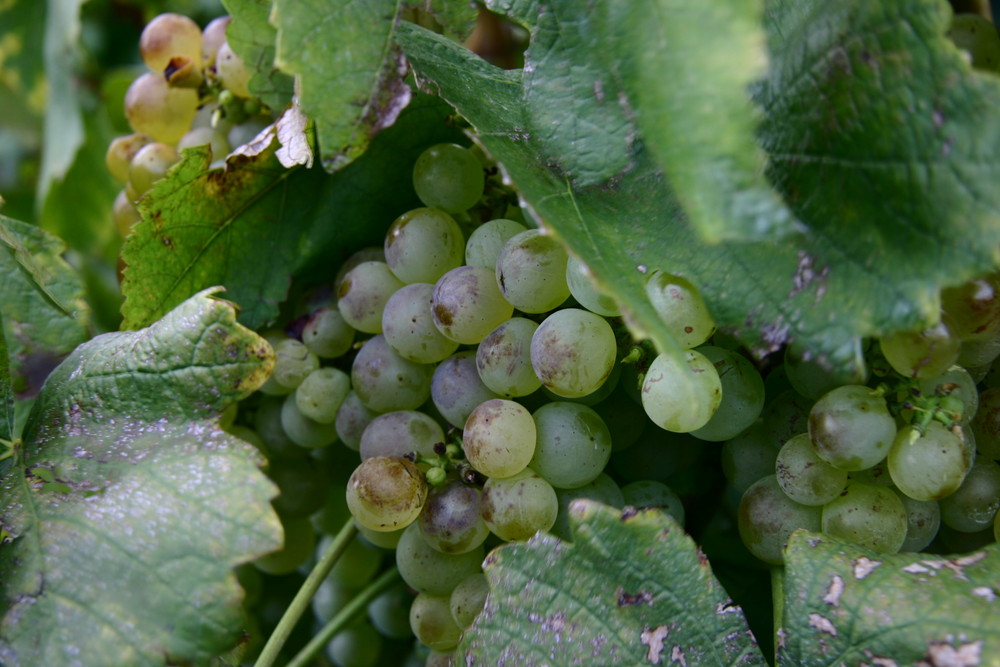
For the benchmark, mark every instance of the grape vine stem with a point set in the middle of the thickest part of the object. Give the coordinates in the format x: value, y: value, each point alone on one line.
x: 277, y: 640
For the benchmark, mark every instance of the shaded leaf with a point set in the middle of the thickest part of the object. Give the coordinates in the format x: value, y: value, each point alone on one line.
x: 22, y: 64
x: 349, y: 68
x: 253, y: 38
x: 632, y: 589
x: 6, y: 391
x: 455, y: 19
x: 255, y: 225
x: 847, y: 605
x: 127, y: 506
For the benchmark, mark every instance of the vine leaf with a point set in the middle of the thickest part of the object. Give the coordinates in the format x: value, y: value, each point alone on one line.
x: 847, y: 605
x: 556, y: 603
x: 126, y: 507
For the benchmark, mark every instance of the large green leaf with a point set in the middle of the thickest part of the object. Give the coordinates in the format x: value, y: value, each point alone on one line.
x: 851, y: 606
x: 252, y: 37
x: 632, y: 589
x: 6, y: 391
x: 127, y: 507
x: 349, y: 68
x: 255, y: 225
x: 42, y: 309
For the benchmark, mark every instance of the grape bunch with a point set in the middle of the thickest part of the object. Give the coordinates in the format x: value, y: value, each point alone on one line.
x: 194, y: 94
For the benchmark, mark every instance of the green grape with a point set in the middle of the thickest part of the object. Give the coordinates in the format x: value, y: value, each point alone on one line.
x: 293, y: 363
x: 517, y: 507
x: 125, y: 213
x: 389, y: 613
x: 320, y: 395
x: 386, y: 493
x: 246, y: 131
x: 955, y: 382
x: 302, y: 487
x: 870, y: 516
x: 155, y: 109
x: 363, y: 293
x: 986, y: 423
x: 582, y: 287
x: 448, y: 177
x: 595, y: 397
x: 650, y: 494
x: 302, y: 430
x: 232, y: 72
x: 212, y: 38
x: 467, y: 304
x: 499, y: 438
x: 388, y: 539
x: 877, y: 475
x: 624, y: 417
x: 468, y: 599
x: 804, y: 476
x: 486, y: 240
x: 974, y: 307
x: 812, y: 377
x: 851, y: 427
x: 120, y: 152
x: 206, y: 136
x: 457, y: 389
x: 432, y: 622
x: 427, y: 570
x: 352, y: 420
x: 680, y: 306
x: 424, y: 244
x: 168, y: 36
x: 742, y: 395
x: 451, y: 521
x: 573, y: 352
x: 978, y: 352
x: 767, y: 517
x: 931, y: 465
x: 974, y: 504
x: 923, y: 518
x: 531, y: 272
x: 150, y: 164
x: 573, y: 444
x: 369, y: 254
x: 921, y: 354
x: 357, y: 645
x: 267, y: 423
x: 749, y: 456
x: 602, y: 488
x: 978, y: 37
x: 680, y: 393
x: 298, y: 546
x: 357, y: 565
x: 385, y: 381
x: 399, y: 433
x: 408, y: 325
x: 503, y: 359
x: 327, y: 334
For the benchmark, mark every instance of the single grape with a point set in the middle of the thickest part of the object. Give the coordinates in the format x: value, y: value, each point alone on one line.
x: 408, y: 325
x: 120, y: 152
x: 390, y: 613
x: 232, y: 72
x: 423, y: 244
x: 427, y: 570
x: 167, y: 36
x: 929, y: 465
x: 804, y: 476
x: 456, y: 388
x: 293, y: 363
x: 155, y: 109
x: 650, y: 494
x: 923, y: 518
x: 206, y: 136
x: 125, y: 213
x: 531, y: 272
x: 150, y: 164
x: 767, y: 517
x: 573, y: 444
x: 352, y: 419
x: 468, y: 599
x: 448, y: 177
x: 749, y: 456
x: 385, y: 381
x: 320, y: 395
x: 680, y: 306
x: 432, y: 622
x: 974, y: 504
x: 921, y: 354
x: 957, y: 383
x: 357, y: 645
x: 851, y: 427
x: 363, y: 293
x: 467, y: 304
x: 386, y: 493
x: 503, y: 359
x: 302, y: 429
x: 573, y: 352
x: 499, y: 438
x: 327, y: 334
x: 212, y: 38
x: 486, y: 240
x: 986, y: 423
x: 267, y: 423
x: 517, y: 507
x: 870, y: 516
x: 680, y: 393
x: 451, y: 520
x: 584, y: 289
x: 742, y: 395
x: 399, y: 433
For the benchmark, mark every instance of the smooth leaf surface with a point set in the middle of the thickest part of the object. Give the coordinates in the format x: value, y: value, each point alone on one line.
x: 22, y: 64
x: 253, y: 38
x: 43, y: 311
x: 350, y: 70
x: 255, y: 225
x: 6, y: 391
x: 127, y: 507
x: 632, y: 589
x: 848, y: 605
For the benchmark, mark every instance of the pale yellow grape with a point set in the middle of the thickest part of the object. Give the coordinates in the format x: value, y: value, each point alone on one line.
x: 167, y: 36
x: 149, y: 165
x: 517, y: 507
x: 386, y: 493
x: 681, y: 392
x: 125, y: 214
x: 499, y: 438
x: 120, y: 152
x: 212, y: 37
x: 154, y: 108
x: 232, y: 72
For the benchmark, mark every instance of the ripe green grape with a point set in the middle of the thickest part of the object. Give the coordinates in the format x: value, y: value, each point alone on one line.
x: 467, y: 304
x: 168, y: 36
x: 352, y: 419
x: 531, y: 272
x: 503, y: 359
x: 390, y: 613
x: 986, y: 423
x: 468, y: 599
x: 432, y: 622
x: 120, y: 152
x: 923, y: 518
x: 958, y: 383
x: 486, y: 240
x: 786, y: 415
x: 517, y: 507
x: 150, y: 164
x: 804, y: 476
x: 974, y: 504
x: 424, y: 244
x: 451, y: 521
x: 742, y: 395
x: 293, y: 364
x: 573, y: 352
x: 851, y: 427
x: 357, y: 645
x: 357, y: 565
x: 408, y: 325
x: 427, y: 570
x: 680, y: 393
x: 385, y: 381
x: 321, y: 393
x: 582, y: 287
x: 573, y: 444
x: 749, y: 456
x: 327, y: 334
x: 206, y: 136
x: 302, y: 429
x: 232, y: 72
x: 929, y: 465
x: 499, y: 438
x: 386, y: 493
x: 363, y: 293
x: 125, y: 213
x: 921, y: 354
x: 767, y: 517
x: 449, y: 177
x: 978, y: 37
x: 155, y: 109
x: 680, y: 306
x: 399, y: 433
x: 870, y: 516
x: 456, y: 388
